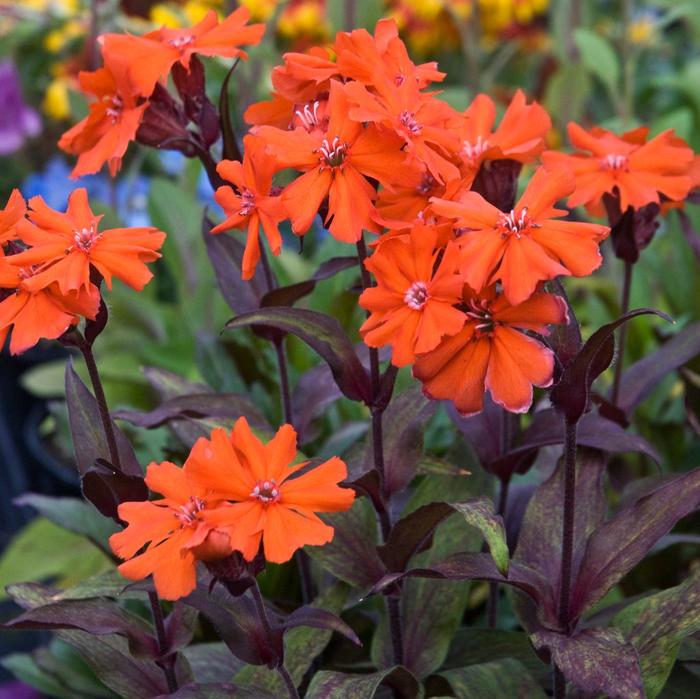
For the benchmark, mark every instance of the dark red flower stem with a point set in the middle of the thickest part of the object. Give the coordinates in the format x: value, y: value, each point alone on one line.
x: 89, y: 357
x: 157, y: 612
x: 265, y: 621
x: 567, y: 548
x: 622, y: 338
x: 377, y: 410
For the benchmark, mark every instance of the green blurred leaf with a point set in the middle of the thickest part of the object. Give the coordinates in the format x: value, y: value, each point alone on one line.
x: 599, y: 57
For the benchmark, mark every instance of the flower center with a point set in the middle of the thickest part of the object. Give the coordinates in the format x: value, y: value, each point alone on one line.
x: 478, y: 312
x: 416, y: 296
x: 85, y: 237
x: 408, y: 121
x: 512, y: 224
x: 333, y: 154
x: 266, y: 491
x: 309, y: 116
x: 187, y: 514
x: 247, y: 203
x: 473, y: 151
x: 26, y: 272
x: 614, y: 162
x: 179, y: 42
x: 114, y: 108
x: 426, y: 184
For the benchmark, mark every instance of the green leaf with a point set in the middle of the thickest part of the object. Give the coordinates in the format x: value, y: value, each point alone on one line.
x: 338, y: 685
x: 43, y: 550
x: 599, y: 57
x: 494, y: 680
x: 479, y: 513
x: 656, y: 625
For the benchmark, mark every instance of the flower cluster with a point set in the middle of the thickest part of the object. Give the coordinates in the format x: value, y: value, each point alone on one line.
x: 52, y: 263
x: 131, y: 83
x: 233, y: 493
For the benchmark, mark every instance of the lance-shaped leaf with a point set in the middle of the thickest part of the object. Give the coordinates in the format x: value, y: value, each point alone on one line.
x: 571, y: 395
x: 338, y: 685
x: 639, y: 380
x: 231, y: 150
x: 352, y: 554
x: 656, y: 625
x: 89, y: 442
x: 597, y: 661
x: 619, y: 544
x: 106, y: 488
x: 479, y: 513
x: 226, y: 256
x: 238, y: 625
x: 317, y: 619
x: 314, y: 391
x: 289, y: 295
x: 540, y: 541
x: 494, y: 680
x: 324, y: 335
x: 198, y: 406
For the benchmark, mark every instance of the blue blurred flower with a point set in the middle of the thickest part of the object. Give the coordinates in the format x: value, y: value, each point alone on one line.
x: 17, y: 120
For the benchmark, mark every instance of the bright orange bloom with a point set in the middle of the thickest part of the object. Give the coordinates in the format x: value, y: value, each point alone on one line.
x: 9, y: 216
x: 270, y: 506
x: 413, y: 305
x: 527, y: 245
x: 174, y: 529
x: 490, y: 353
x: 304, y: 75
x: 64, y: 246
x: 111, y: 124
x: 635, y: 169
x: 423, y: 122
x: 149, y: 58
x: 251, y: 205
x: 284, y: 114
x: 35, y: 315
x: 519, y: 136
x: 336, y: 165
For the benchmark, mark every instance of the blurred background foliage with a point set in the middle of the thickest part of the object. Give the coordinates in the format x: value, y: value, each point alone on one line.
x: 615, y: 63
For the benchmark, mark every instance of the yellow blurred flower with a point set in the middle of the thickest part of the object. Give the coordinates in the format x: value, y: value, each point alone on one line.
x: 305, y: 19
x: 56, y: 40
x: 173, y: 15
x: 260, y: 10
x: 498, y: 15
x: 643, y: 31
x: 56, y: 102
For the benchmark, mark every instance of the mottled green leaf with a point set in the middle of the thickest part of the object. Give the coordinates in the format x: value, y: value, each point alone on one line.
x: 494, y: 680
x: 338, y: 685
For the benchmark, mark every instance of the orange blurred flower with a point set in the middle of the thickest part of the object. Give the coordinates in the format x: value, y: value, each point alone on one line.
x: 413, y: 305
x: 269, y: 506
x: 64, y: 247
x: 629, y: 166
x: 111, y: 124
x: 527, y: 245
x: 9, y: 216
x: 251, y: 205
x: 174, y: 530
x: 149, y: 58
x: 491, y: 353
x: 336, y: 165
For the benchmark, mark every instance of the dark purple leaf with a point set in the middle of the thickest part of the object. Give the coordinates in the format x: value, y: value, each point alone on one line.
x: 226, y: 255
x: 164, y: 124
x: 619, y: 544
x: 106, y: 488
x: 338, y: 685
x: 198, y: 406
x: 497, y: 182
x: 324, y: 335
x: 597, y: 661
x: 571, y: 396
x: 314, y: 391
x: 238, y: 625
x: 179, y: 627
x: 317, y: 619
x: 540, y: 540
x: 639, y: 380
x: 496, y: 679
x: 289, y: 295
x: 190, y: 85
x: 221, y: 690
x: 168, y: 384
x: 231, y: 150
x: 564, y: 338
x: 86, y: 429
x: 352, y: 555
x: 94, y: 327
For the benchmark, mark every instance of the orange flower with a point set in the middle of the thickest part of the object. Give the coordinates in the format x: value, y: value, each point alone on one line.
x: 174, y: 529
x: 111, y: 124
x: 251, y: 204
x: 304, y: 75
x: 423, y: 122
x: 527, y: 245
x: 9, y: 216
x: 413, y: 305
x: 65, y: 246
x: 35, y: 315
x: 149, y: 58
x: 270, y: 506
x: 635, y: 169
x: 519, y: 136
x: 336, y: 165
x: 490, y: 353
